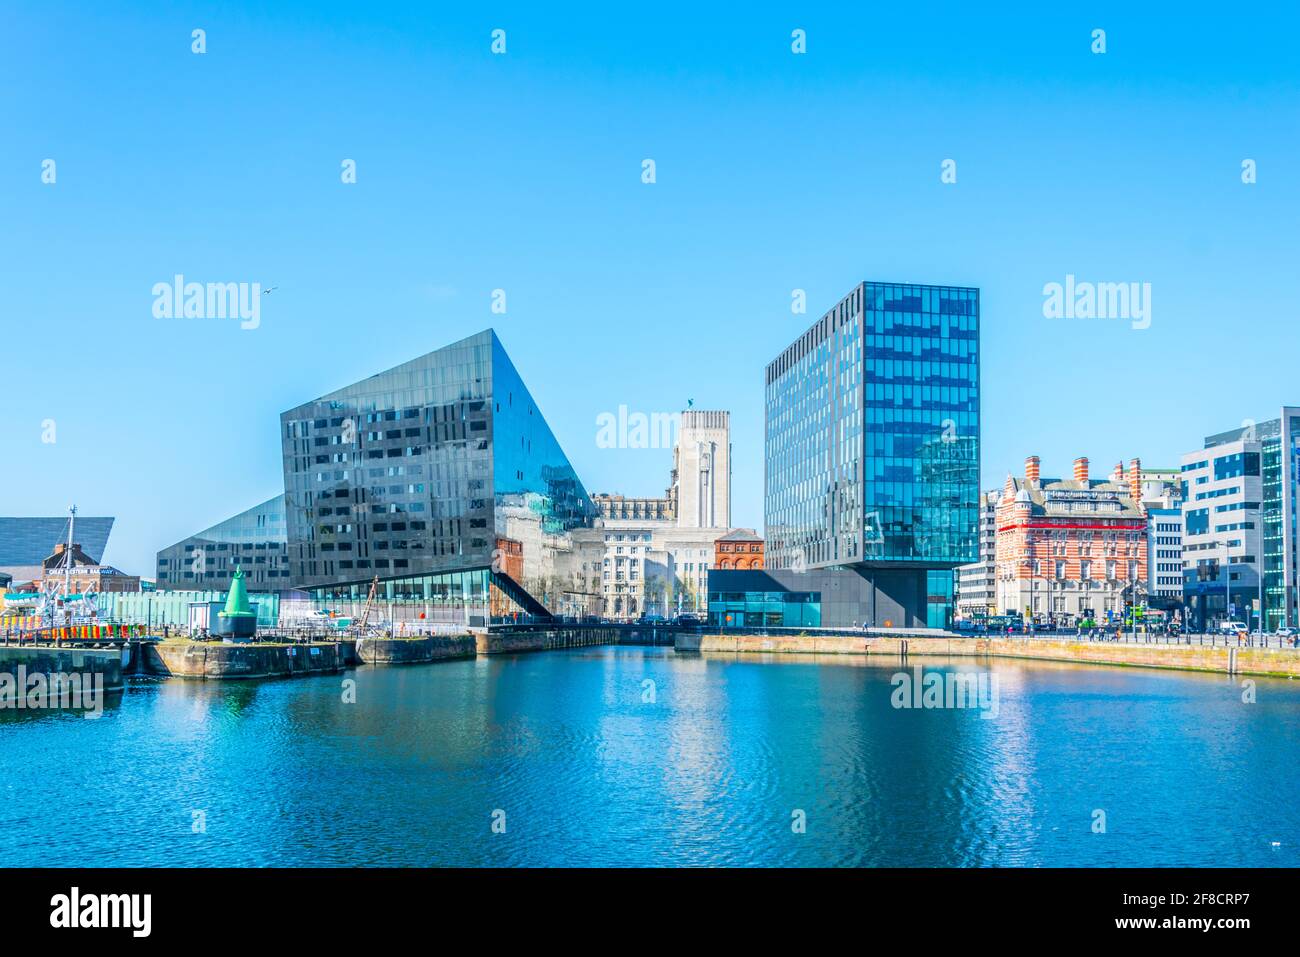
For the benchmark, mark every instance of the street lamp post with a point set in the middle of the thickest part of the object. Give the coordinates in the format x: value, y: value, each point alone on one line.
x: 1227, y: 584
x: 1259, y: 565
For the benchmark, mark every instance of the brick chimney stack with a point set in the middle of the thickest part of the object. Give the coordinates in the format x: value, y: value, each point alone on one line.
x: 1135, y: 480
x: 1081, y: 469
x: 1117, y: 473
x: 1031, y: 470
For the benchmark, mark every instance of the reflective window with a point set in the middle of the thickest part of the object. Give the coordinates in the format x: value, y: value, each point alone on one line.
x: 872, y: 432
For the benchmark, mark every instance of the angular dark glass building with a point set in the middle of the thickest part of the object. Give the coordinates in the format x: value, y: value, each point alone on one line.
x: 872, y: 457
x: 441, y: 479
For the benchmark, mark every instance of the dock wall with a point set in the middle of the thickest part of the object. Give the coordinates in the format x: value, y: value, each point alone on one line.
x: 542, y: 639
x: 1283, y: 662
x: 49, y: 661
x: 211, y: 660
x: 401, y: 651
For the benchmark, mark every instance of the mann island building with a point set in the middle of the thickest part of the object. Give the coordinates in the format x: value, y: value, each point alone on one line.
x: 872, y: 466
x: 441, y: 481
x: 439, y: 478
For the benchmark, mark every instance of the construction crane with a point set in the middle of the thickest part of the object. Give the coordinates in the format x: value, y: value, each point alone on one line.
x: 359, y: 627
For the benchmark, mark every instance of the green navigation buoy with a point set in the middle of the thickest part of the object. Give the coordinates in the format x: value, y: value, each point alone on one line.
x: 239, y: 620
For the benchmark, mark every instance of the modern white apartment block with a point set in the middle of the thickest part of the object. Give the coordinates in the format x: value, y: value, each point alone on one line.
x: 1162, y: 499
x: 1165, y: 548
x: 1239, y: 524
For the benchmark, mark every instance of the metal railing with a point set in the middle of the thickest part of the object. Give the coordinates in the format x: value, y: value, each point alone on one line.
x: 43, y: 637
x: 1208, y: 639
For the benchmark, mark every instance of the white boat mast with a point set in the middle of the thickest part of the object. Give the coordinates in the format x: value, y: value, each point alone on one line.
x: 67, y: 553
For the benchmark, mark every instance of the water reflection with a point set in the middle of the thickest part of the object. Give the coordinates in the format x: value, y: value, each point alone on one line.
x: 91, y: 706
x: 638, y: 756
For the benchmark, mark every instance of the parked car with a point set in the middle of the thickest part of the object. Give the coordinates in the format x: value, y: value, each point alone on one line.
x: 1231, y: 627
x: 1285, y: 632
x: 330, y: 620
x: 653, y: 620
x: 688, y: 621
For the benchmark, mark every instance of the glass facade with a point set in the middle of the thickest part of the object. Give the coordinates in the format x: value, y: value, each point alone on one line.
x: 426, y: 472
x: 1272, y: 538
x: 26, y: 542
x: 757, y: 609
x: 157, y: 608
x: 939, y: 598
x: 253, y: 540
x: 872, y: 432
x: 1280, y: 472
x: 535, y: 489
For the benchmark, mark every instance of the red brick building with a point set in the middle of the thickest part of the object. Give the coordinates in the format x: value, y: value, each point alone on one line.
x: 85, y: 574
x: 738, y: 549
x: 1071, y: 549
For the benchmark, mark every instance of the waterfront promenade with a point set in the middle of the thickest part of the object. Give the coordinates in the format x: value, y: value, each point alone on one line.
x: 304, y: 654
x: 1226, y: 657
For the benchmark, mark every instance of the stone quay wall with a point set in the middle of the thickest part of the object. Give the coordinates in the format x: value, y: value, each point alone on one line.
x: 1283, y: 662
x: 401, y: 651
x: 211, y: 660
x: 48, y: 660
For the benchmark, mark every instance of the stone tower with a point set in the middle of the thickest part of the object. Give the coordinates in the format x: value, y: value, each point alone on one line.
x: 702, y: 470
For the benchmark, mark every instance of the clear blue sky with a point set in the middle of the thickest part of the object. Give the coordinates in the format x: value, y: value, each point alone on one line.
x: 522, y: 172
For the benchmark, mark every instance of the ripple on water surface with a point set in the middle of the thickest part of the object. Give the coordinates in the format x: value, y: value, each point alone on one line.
x: 634, y: 756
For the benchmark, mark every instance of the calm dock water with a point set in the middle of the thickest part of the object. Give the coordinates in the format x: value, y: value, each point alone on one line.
x: 638, y: 756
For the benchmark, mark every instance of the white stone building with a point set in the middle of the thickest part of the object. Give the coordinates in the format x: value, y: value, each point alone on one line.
x: 701, y: 480
x: 657, y: 552
x: 1163, y: 501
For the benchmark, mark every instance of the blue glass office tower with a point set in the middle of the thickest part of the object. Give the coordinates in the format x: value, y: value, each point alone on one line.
x: 440, y: 478
x: 872, y: 449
